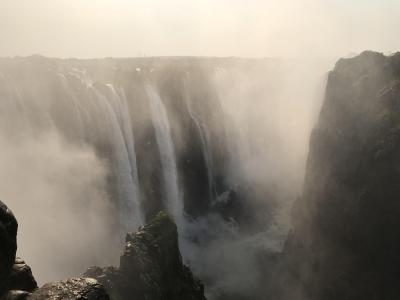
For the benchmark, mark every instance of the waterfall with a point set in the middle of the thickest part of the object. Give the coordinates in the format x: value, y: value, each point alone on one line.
x: 77, y: 106
x: 165, y: 144
x: 115, y: 119
x: 120, y: 105
x: 11, y: 100
x: 203, y: 139
x: 130, y: 206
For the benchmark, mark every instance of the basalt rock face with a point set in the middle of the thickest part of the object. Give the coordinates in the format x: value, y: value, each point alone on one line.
x: 345, y: 241
x: 14, y: 273
x: 8, y: 242
x: 151, y: 267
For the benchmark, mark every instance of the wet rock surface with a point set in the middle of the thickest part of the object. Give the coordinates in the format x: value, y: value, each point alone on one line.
x: 75, y: 288
x: 151, y: 266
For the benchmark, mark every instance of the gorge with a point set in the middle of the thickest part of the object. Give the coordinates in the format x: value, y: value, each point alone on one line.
x: 94, y: 149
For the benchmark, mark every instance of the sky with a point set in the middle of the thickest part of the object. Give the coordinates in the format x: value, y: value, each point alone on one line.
x: 249, y: 28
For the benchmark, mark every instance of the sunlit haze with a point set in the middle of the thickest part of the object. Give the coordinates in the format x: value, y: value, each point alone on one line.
x: 200, y: 149
x: 260, y: 28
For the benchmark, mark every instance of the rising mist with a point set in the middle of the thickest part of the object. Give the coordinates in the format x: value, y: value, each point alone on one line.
x: 203, y: 109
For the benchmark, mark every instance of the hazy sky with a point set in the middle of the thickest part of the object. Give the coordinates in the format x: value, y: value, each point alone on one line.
x: 98, y: 28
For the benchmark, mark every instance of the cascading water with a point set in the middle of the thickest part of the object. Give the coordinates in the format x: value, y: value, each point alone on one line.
x: 130, y: 207
x: 11, y: 100
x: 120, y: 106
x: 167, y: 152
x: 203, y: 133
x: 93, y: 114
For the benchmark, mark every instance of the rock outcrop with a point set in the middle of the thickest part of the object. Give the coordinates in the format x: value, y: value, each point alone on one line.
x: 345, y: 241
x: 21, y: 277
x: 15, y: 275
x: 17, y: 281
x: 151, y: 267
x: 8, y: 242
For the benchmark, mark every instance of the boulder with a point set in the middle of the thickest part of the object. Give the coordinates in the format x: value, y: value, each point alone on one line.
x: 21, y: 277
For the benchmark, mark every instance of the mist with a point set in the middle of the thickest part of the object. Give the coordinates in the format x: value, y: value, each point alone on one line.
x: 269, y: 110
x: 57, y: 191
x: 113, y: 110
x: 77, y: 135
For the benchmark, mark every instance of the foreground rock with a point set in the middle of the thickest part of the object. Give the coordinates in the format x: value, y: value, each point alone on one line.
x: 8, y: 244
x: 76, y: 288
x: 150, y: 267
x: 17, y: 281
x: 15, y: 274
x: 345, y: 243
x: 71, y: 289
x: 21, y: 277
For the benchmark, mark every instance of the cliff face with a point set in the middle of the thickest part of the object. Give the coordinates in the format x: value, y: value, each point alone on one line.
x: 346, y: 226
x: 150, y: 267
